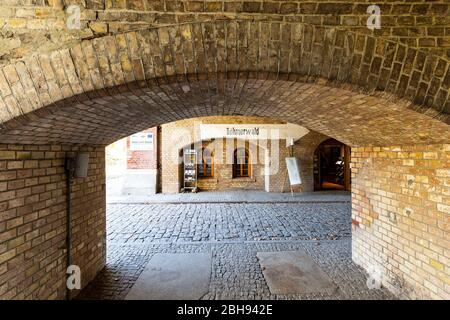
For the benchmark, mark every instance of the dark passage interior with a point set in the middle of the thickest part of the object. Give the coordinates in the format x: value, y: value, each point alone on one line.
x: 332, y: 166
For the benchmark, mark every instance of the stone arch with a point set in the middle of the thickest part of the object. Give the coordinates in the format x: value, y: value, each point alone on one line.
x: 389, y: 100
x: 102, y: 89
x: 345, y: 177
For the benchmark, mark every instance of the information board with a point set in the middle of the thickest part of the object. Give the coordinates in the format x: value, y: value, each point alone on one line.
x: 293, y: 171
x: 141, y: 141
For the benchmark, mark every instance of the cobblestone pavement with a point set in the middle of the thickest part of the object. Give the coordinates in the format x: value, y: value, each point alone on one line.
x: 233, y: 234
x: 226, y: 221
x: 231, y: 196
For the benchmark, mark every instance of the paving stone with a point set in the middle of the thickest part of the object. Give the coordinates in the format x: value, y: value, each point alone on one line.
x: 235, y: 273
x: 140, y: 223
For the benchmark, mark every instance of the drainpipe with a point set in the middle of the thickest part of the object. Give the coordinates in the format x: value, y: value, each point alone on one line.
x: 70, y: 172
x: 76, y: 167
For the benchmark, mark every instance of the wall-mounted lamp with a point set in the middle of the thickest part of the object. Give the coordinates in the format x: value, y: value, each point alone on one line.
x: 77, y: 166
x: 81, y: 165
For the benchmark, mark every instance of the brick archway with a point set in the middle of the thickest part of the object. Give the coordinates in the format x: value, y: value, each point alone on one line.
x: 389, y: 101
x: 308, y: 74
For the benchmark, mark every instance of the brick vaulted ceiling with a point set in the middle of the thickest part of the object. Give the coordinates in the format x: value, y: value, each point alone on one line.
x: 37, y: 25
x: 358, y: 88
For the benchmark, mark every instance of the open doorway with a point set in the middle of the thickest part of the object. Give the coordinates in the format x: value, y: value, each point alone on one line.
x: 332, y: 166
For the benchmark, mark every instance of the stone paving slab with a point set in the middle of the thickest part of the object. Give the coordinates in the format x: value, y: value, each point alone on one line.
x: 175, y: 276
x: 235, y: 272
x: 232, y: 234
x: 293, y: 272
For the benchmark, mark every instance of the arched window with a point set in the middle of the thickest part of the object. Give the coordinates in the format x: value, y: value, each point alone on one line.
x: 241, y: 163
x: 206, y: 167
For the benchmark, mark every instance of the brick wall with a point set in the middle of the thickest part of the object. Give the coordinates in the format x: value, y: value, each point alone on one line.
x: 179, y: 134
x: 143, y: 159
x: 192, y: 59
x: 418, y: 23
x: 223, y: 173
x: 304, y: 151
x: 33, y: 220
x: 172, y: 173
x: 401, y: 215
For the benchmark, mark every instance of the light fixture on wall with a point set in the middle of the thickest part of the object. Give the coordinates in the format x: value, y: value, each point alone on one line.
x: 77, y: 166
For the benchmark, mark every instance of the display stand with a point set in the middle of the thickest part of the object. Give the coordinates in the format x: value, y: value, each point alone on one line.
x: 190, y: 170
x: 292, y: 171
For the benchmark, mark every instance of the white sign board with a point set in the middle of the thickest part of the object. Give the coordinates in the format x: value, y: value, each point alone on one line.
x: 293, y: 171
x: 141, y: 141
x: 291, y: 132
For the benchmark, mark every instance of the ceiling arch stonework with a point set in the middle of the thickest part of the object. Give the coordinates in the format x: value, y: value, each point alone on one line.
x: 356, y: 88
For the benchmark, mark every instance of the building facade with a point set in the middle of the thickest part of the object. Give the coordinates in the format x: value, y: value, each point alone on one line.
x: 232, y: 152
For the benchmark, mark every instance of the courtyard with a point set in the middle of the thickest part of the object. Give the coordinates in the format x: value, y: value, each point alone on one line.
x: 233, y: 227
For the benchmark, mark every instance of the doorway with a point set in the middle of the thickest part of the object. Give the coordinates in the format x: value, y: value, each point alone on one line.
x: 332, y: 166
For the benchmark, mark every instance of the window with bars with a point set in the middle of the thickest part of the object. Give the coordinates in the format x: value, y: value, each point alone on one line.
x: 241, y: 163
x: 206, y: 167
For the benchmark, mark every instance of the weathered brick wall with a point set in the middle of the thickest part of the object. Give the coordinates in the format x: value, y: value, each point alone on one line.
x: 223, y: 173
x: 143, y: 159
x: 278, y: 179
x: 174, y: 136
x: 179, y: 134
x: 304, y: 151
x: 33, y: 220
x: 219, y: 62
x: 401, y: 212
x: 135, y: 80
x: 418, y: 23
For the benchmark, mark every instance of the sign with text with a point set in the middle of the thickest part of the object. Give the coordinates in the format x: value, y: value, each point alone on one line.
x: 142, y: 141
x: 252, y: 131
